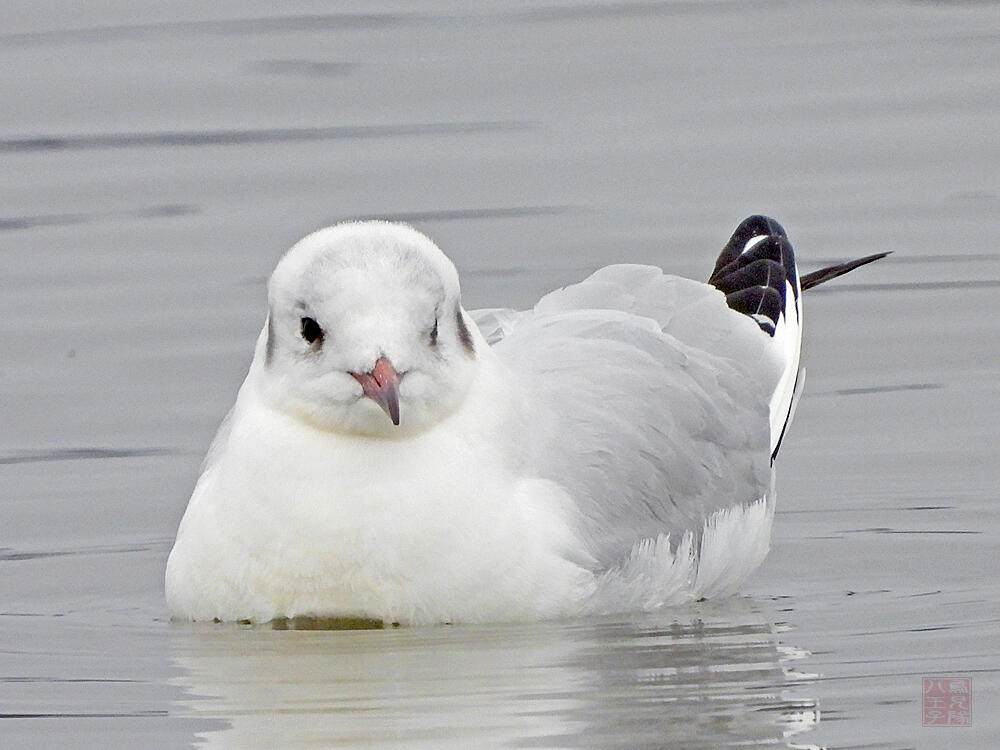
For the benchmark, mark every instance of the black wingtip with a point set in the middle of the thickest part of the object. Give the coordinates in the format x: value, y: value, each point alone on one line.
x: 754, y: 269
x: 809, y: 280
x: 757, y: 225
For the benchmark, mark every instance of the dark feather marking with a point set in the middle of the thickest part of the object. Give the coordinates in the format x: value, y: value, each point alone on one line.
x: 750, y: 227
x: 788, y: 416
x: 755, y: 281
x: 269, y: 350
x: 831, y: 272
x: 775, y: 249
x: 760, y: 273
x: 463, y: 333
x: 756, y: 300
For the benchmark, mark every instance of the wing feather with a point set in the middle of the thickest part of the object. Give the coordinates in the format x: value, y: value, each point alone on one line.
x: 652, y: 395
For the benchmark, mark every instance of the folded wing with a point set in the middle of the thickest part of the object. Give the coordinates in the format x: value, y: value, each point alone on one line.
x: 652, y: 399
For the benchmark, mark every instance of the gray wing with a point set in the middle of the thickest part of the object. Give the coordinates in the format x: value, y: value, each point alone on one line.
x: 650, y: 400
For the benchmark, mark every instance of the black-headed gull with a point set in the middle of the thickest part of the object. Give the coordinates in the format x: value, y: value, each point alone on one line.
x: 392, y: 456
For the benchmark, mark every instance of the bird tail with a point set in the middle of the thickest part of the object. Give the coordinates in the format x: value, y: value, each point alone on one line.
x: 756, y: 271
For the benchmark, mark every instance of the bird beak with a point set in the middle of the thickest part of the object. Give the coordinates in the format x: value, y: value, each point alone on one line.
x: 381, y: 385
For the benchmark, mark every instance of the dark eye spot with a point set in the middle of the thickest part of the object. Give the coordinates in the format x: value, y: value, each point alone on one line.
x: 434, y: 333
x: 311, y: 332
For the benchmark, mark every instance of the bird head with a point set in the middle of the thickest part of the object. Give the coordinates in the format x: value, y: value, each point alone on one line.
x: 366, y: 332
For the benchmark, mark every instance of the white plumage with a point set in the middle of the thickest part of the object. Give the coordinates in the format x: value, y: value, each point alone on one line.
x: 608, y: 450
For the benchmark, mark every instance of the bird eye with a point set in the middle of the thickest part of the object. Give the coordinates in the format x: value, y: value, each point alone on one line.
x: 434, y: 333
x: 311, y: 331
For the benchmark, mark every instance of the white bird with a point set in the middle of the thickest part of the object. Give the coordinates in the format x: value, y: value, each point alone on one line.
x: 391, y: 456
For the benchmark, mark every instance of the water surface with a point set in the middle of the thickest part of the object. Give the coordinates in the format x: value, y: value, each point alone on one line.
x: 159, y: 158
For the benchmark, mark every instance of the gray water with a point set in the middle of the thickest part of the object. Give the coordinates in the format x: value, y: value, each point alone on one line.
x: 157, y: 158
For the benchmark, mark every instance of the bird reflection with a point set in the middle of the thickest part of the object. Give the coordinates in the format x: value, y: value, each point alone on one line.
x: 710, y: 675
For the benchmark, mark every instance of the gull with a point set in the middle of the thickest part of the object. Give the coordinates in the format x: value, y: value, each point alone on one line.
x: 392, y: 456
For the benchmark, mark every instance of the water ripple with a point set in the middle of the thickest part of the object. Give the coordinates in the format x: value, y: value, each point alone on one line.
x: 312, y: 68
x: 461, y: 214
x: 225, y: 26
x: 18, y: 223
x: 182, y: 138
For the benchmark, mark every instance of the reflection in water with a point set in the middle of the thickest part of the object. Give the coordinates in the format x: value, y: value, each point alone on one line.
x: 708, y: 676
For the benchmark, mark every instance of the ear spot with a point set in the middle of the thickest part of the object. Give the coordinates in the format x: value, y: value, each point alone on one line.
x: 434, y: 332
x: 269, y: 350
x: 463, y: 333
